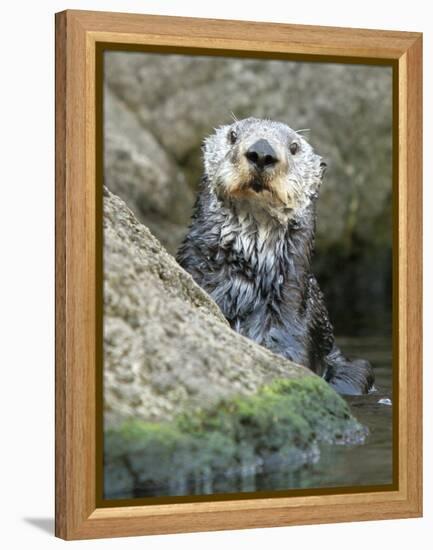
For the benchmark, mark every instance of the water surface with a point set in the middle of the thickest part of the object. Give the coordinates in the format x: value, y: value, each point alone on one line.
x: 335, y: 465
x: 367, y: 464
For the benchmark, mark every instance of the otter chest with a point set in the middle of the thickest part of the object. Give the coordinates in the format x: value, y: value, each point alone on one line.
x: 258, y: 284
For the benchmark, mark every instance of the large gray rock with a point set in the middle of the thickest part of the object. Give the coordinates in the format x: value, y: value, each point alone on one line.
x: 190, y: 406
x: 138, y: 169
x: 167, y: 346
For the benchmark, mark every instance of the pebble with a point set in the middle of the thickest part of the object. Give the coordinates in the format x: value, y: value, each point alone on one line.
x: 385, y: 401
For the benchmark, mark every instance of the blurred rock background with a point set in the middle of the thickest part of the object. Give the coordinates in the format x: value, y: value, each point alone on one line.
x: 158, y: 108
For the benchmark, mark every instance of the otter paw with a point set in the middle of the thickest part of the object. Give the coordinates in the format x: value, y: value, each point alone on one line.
x: 350, y: 377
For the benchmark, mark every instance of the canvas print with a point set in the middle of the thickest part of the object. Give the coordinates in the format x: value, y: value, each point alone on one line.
x: 247, y: 276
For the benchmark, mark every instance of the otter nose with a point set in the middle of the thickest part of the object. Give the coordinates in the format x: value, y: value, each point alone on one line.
x: 261, y: 154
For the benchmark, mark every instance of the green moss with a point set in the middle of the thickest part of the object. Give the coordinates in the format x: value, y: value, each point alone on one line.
x: 282, y: 423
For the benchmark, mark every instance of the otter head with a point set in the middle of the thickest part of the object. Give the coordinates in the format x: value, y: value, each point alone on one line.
x: 263, y: 166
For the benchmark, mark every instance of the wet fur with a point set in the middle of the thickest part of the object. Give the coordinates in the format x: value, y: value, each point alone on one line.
x: 251, y: 251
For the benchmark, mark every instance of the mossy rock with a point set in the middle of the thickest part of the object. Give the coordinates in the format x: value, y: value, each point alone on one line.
x: 167, y: 346
x: 213, y: 450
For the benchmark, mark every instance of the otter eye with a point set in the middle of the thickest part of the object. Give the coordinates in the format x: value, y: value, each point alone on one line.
x: 233, y: 136
x: 294, y: 148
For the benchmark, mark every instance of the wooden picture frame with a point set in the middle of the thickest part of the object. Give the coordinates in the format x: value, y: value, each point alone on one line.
x: 79, y: 34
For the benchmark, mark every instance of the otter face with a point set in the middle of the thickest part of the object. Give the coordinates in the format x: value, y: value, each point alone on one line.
x: 264, y: 165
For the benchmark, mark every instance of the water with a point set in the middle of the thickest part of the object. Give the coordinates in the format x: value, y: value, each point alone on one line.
x: 336, y: 465
x: 368, y: 464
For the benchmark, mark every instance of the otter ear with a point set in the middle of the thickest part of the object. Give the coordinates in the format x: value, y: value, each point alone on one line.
x: 322, y: 167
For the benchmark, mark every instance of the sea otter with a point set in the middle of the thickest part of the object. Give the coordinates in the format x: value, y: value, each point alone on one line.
x: 251, y: 241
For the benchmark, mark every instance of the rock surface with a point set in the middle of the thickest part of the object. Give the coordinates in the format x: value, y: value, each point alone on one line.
x: 188, y: 403
x: 167, y: 346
